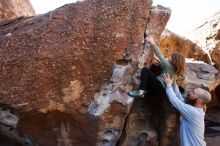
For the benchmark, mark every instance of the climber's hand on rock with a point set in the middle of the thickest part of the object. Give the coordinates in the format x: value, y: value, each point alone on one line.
x: 149, y: 39
x: 167, y: 79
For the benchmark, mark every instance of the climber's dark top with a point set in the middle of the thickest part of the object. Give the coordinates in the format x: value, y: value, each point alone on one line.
x: 165, y: 64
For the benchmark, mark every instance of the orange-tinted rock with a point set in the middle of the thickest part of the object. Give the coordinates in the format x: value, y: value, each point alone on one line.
x: 171, y: 42
x: 215, y: 55
x: 57, y: 61
x: 10, y: 9
x: 58, y: 67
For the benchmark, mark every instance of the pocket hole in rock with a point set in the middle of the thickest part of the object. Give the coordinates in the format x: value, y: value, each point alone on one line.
x: 106, y: 142
x: 122, y: 62
x: 108, y: 132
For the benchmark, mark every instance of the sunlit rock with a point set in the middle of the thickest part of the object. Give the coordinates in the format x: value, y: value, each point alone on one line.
x: 207, y: 36
x: 10, y: 9
x: 171, y: 42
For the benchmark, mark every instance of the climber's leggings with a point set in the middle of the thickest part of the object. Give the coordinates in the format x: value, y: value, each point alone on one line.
x: 157, y: 101
x: 149, y: 82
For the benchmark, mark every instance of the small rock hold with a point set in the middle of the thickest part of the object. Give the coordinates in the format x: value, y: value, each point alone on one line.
x: 8, y: 35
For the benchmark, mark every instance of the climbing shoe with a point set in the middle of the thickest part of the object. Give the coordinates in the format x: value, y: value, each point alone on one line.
x: 137, y: 93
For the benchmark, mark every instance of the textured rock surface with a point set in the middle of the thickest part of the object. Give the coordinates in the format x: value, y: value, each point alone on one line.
x: 56, y: 70
x: 10, y: 9
x: 200, y: 74
x: 207, y: 36
x: 212, y: 133
x: 171, y: 42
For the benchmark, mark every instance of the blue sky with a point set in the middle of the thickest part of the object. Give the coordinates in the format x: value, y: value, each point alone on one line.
x: 186, y: 14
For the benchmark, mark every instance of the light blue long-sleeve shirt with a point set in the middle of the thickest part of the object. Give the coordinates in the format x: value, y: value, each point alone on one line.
x: 192, y: 124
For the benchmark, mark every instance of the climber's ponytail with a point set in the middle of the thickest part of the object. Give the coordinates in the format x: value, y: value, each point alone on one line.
x: 179, y: 64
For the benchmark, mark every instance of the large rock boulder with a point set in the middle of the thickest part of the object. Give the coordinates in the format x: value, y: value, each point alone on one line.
x: 171, y: 42
x: 207, y: 36
x: 65, y: 74
x: 200, y: 74
x: 10, y: 9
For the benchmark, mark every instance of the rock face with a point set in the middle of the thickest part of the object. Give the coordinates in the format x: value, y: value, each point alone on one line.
x: 200, y: 74
x: 171, y: 42
x: 207, y: 36
x: 56, y: 71
x: 10, y: 9
x: 212, y: 124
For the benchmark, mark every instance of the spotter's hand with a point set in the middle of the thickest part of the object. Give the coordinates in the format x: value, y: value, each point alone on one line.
x: 167, y: 79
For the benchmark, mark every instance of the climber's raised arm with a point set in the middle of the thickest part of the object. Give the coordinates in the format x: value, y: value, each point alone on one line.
x: 157, y: 51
